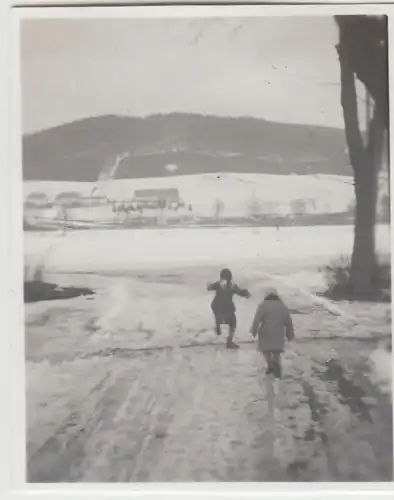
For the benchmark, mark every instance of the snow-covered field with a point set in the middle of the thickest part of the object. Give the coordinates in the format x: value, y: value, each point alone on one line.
x: 132, y: 384
x: 122, y: 250
x: 275, y: 193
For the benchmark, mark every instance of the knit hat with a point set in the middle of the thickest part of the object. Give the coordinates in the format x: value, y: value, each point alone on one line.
x: 271, y: 291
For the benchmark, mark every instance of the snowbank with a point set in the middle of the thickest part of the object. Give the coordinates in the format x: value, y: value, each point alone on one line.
x: 381, y: 366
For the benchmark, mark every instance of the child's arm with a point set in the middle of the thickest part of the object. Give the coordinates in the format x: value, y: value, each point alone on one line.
x: 289, y: 326
x: 258, y: 319
x: 212, y: 287
x: 241, y: 292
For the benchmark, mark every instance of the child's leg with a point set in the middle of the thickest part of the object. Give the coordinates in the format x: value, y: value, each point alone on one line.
x: 232, y: 326
x: 217, y: 325
x: 276, y: 363
x: 231, y: 333
x: 268, y: 358
x: 275, y: 357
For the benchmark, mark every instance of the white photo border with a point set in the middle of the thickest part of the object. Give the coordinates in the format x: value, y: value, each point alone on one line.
x: 13, y: 451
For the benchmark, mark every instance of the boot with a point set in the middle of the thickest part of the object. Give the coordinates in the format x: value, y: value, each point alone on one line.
x: 277, y: 371
x: 230, y: 345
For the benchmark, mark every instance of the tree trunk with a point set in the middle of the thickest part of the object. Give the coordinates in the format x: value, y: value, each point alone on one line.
x: 363, y: 263
x: 363, y: 161
x: 366, y: 188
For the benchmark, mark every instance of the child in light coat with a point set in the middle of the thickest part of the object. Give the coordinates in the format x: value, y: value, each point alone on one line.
x: 272, y: 324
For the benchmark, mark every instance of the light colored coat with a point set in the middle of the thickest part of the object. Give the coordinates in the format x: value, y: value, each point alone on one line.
x: 272, y: 324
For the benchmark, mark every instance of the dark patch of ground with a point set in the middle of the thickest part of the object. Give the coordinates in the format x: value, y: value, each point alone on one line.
x: 35, y: 291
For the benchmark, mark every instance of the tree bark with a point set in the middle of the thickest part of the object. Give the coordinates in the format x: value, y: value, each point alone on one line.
x: 363, y: 262
x: 364, y: 162
x: 366, y: 39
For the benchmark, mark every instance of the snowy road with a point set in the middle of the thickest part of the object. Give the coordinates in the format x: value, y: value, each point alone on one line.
x: 132, y: 385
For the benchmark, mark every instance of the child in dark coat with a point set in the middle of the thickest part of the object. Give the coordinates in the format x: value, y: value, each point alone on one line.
x: 223, y: 306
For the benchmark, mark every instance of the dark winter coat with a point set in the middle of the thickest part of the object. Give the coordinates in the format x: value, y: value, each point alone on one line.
x: 223, y: 302
x: 272, y: 324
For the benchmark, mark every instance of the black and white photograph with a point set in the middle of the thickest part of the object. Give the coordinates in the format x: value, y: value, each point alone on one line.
x: 206, y: 239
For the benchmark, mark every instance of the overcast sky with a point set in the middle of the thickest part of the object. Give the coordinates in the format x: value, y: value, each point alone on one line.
x: 280, y: 69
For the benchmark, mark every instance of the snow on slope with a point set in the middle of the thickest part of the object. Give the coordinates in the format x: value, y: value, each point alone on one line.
x: 322, y: 193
